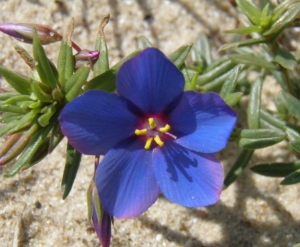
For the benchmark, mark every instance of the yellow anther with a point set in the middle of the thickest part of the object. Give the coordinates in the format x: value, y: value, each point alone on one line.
x: 140, y: 132
x: 158, y: 141
x: 148, y: 143
x: 151, y: 123
x: 165, y: 129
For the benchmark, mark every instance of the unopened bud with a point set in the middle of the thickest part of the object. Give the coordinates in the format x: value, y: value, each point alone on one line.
x: 85, y: 57
x: 24, y: 32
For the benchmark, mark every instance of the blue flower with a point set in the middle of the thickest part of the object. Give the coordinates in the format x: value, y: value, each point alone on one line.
x: 155, y: 137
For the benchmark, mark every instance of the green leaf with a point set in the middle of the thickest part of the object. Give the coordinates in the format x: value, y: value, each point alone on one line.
x: 65, y: 62
x: 292, y: 178
x: 276, y: 169
x: 246, y: 30
x: 102, y: 64
x: 283, y: 21
x: 285, y: 59
x: 43, y: 65
x: 254, y: 60
x: 292, y: 104
x: 230, y: 82
x: 260, y: 138
x: 18, y: 82
x: 73, y: 158
x: 238, y: 167
x: 11, y: 108
x: 8, y: 95
x: 250, y: 10
x: 143, y: 43
x: 45, y: 118
x: 253, y: 111
x: 179, y: 56
x: 233, y: 98
x: 215, y: 72
x: 39, y: 93
x: 247, y: 42
x: 55, y: 137
x: 35, y: 142
x: 201, y: 50
x: 78, y: 79
x: 272, y: 120
x: 294, y: 139
x: 216, y: 83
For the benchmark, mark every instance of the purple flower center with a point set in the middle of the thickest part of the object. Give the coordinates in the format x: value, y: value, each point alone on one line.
x: 154, y: 129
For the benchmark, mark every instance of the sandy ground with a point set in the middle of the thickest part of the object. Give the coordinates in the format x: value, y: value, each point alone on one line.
x: 255, y: 211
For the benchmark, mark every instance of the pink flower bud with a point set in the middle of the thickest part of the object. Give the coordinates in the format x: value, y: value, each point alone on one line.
x: 24, y: 32
x: 84, y: 56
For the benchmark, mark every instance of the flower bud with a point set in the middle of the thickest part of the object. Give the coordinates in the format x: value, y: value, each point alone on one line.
x: 98, y: 217
x: 85, y: 57
x: 24, y: 32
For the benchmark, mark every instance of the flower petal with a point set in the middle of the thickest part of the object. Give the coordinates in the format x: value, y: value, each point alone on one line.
x: 186, y: 177
x: 125, y: 180
x: 150, y: 81
x: 97, y: 121
x: 202, y: 122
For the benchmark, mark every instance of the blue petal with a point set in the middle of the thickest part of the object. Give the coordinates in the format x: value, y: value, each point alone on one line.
x: 97, y: 121
x: 188, y: 178
x: 125, y: 180
x: 150, y: 81
x: 202, y: 122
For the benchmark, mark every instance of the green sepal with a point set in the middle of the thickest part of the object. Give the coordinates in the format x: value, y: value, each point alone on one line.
x: 292, y: 104
x: 179, y: 56
x: 238, y: 167
x: 55, y: 137
x: 201, y: 51
x: 292, y: 178
x: 78, y: 79
x: 250, y: 10
x: 230, y: 83
x: 186, y: 75
x: 107, y: 80
x: 233, y: 98
x: 89, y: 201
x: 102, y: 64
x: 73, y: 158
x: 40, y: 93
x: 143, y: 43
x: 215, y: 72
x: 285, y: 59
x: 253, y: 111
x: 294, y: 139
x: 253, y: 60
x: 20, y: 83
x: 65, y: 62
x: 276, y: 169
x: 57, y: 95
x: 42, y: 64
x: 36, y: 140
x: 45, y: 118
x: 260, y: 138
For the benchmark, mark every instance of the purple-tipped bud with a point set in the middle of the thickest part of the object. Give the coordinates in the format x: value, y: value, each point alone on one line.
x: 98, y: 217
x: 24, y: 32
x: 85, y: 57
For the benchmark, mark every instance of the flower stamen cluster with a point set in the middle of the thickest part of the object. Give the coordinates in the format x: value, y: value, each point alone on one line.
x: 153, y: 131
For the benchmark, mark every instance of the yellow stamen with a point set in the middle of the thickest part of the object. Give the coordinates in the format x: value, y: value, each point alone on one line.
x: 148, y: 143
x: 158, y: 141
x: 151, y: 123
x: 165, y: 129
x: 140, y: 132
